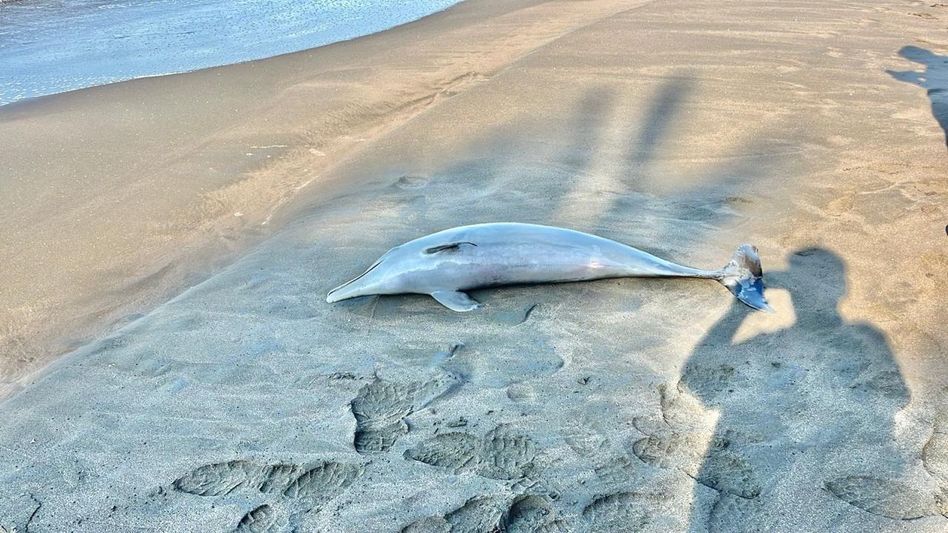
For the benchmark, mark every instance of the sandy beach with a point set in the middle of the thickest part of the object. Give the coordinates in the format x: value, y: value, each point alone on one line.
x: 170, y: 362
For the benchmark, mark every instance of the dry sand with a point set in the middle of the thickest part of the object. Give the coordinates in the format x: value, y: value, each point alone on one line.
x: 246, y: 402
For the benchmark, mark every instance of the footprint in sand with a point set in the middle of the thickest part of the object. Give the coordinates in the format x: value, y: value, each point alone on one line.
x: 482, y: 513
x: 526, y: 513
x: 635, y: 510
x: 732, y: 513
x: 500, y: 454
x: 623, y: 511
x: 263, y: 519
x: 898, y: 499
x: 682, y: 442
x: 381, y: 407
x: 722, y: 467
x: 615, y: 470
x: 889, y: 498
x: 531, y: 513
x: 302, y: 488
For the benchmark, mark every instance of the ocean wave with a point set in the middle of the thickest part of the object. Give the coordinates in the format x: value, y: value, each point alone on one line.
x: 52, y: 46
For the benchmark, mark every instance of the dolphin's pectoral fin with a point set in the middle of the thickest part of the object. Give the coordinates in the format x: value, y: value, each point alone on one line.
x: 455, y: 300
x: 447, y: 247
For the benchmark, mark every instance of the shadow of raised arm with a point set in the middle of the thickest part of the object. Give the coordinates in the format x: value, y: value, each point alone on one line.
x: 908, y: 76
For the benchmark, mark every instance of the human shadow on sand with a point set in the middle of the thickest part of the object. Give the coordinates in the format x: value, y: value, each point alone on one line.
x: 803, y: 412
x: 934, y: 79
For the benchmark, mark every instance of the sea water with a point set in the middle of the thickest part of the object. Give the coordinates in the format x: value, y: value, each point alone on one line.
x: 52, y: 46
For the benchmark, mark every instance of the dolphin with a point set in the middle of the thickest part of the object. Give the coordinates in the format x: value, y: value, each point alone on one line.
x: 449, y: 262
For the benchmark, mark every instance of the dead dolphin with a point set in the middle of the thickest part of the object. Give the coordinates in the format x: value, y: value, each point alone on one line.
x: 446, y: 263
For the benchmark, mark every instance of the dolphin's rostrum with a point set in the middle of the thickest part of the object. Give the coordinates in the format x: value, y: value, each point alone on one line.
x: 446, y: 263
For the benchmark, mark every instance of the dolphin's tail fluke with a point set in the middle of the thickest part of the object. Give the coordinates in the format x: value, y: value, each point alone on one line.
x: 744, y: 277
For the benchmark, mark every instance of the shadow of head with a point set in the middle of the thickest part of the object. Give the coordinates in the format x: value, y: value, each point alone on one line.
x: 816, y: 278
x: 935, y: 65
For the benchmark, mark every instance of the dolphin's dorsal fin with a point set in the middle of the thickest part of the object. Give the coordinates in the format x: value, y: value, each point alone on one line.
x: 455, y: 300
x: 447, y: 247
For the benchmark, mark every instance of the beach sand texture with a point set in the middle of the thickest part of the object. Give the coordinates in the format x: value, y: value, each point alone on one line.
x: 248, y: 403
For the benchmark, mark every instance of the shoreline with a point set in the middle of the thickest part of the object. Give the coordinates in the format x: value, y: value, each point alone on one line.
x: 82, y: 33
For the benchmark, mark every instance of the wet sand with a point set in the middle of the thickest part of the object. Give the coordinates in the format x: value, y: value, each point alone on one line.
x: 683, y: 128
x: 119, y: 196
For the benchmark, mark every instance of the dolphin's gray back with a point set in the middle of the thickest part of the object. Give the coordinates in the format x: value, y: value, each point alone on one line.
x: 485, y: 255
x: 447, y: 263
